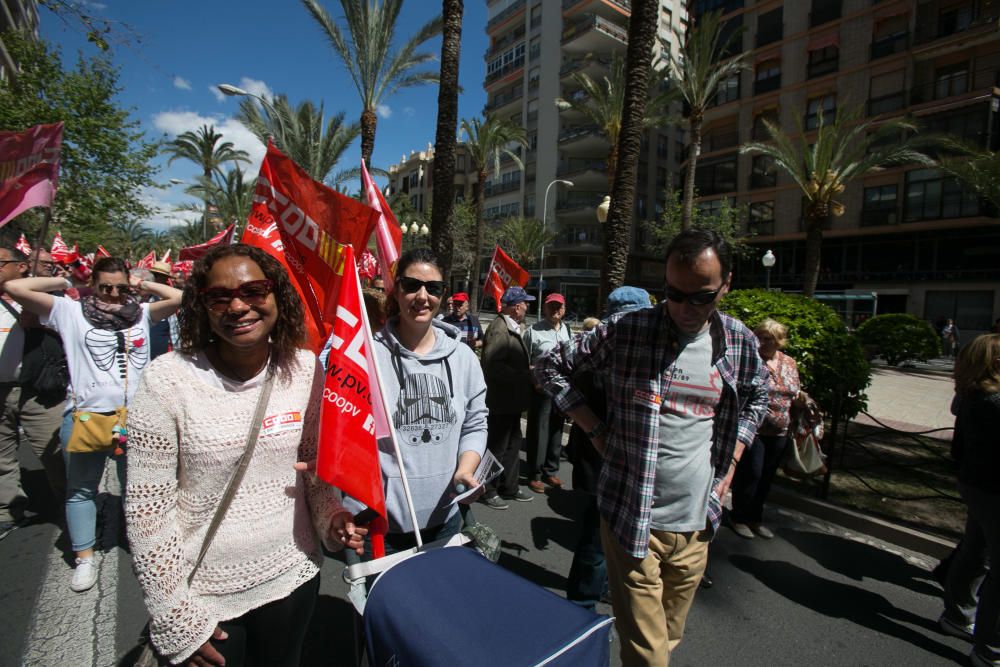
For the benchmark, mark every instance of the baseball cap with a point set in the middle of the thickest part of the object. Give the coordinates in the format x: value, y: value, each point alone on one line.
x: 459, y: 296
x: 556, y: 298
x: 515, y: 295
x: 163, y: 268
x: 626, y: 298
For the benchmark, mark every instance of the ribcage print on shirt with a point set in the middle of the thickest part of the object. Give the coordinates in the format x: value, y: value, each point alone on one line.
x: 107, y: 349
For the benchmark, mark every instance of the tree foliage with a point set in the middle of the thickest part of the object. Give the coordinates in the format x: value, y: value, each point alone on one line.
x: 105, y: 161
x: 831, y: 363
x: 728, y: 222
x: 231, y: 195
x: 523, y: 239
x: 978, y: 170
x: 203, y: 148
x: 898, y: 337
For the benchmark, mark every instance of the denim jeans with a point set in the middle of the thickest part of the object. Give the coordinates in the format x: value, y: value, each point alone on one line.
x: 588, y: 575
x: 545, y: 424
x: 754, y: 474
x: 83, y: 476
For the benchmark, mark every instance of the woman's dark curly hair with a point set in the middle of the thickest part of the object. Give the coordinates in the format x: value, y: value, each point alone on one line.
x: 289, y: 331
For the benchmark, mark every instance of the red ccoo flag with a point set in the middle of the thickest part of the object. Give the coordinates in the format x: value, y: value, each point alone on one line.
x: 29, y: 169
x: 194, y: 252
x: 388, y: 235
x: 353, y: 414
x: 504, y: 272
x: 60, y: 251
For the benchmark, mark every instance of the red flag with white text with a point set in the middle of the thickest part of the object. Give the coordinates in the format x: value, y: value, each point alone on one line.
x: 60, y: 251
x: 102, y: 252
x: 225, y: 237
x: 29, y: 169
x: 303, y: 224
x: 23, y: 246
x: 388, y: 235
x: 504, y: 272
x: 147, y: 261
x: 352, y: 416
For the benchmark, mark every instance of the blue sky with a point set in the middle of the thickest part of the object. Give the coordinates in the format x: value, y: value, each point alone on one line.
x: 179, y: 50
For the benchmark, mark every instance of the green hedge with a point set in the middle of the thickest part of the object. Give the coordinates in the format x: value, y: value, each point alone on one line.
x: 897, y: 337
x: 831, y: 361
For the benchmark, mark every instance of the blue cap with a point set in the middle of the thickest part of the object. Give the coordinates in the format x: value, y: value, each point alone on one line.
x: 627, y: 298
x: 515, y: 295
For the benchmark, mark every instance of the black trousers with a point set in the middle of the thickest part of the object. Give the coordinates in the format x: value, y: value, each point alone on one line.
x: 504, y: 442
x: 272, y: 634
x: 754, y: 474
x: 545, y: 424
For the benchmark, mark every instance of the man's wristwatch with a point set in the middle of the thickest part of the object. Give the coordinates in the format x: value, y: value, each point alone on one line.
x: 600, y: 429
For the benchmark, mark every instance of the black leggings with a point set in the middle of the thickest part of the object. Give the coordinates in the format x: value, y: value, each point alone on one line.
x: 272, y: 634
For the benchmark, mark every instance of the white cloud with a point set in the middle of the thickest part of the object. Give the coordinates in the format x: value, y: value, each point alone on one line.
x: 219, y: 96
x: 383, y: 110
x: 182, y: 83
x: 96, y: 6
x: 256, y: 87
x: 409, y: 111
x: 177, y: 122
x: 164, y: 203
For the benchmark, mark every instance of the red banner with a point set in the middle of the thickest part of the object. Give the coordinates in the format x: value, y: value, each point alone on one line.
x: 147, y: 261
x: 304, y: 224
x: 29, y: 169
x: 388, y: 235
x: 194, y: 252
x: 102, y: 252
x: 503, y: 273
x: 352, y: 416
x: 23, y: 245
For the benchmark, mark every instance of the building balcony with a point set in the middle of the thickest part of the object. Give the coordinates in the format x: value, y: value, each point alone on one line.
x: 886, y: 103
x: 504, y: 101
x: 585, y: 173
x: 494, y: 189
x: 591, y: 66
x: 889, y: 45
x: 583, y: 140
x: 508, y: 73
x: 580, y: 205
x: 610, y: 9
x: 504, y: 43
x: 937, y: 22
x: 761, y: 86
x: 586, y: 239
x: 594, y: 35
x: 947, y: 93
x: 504, y: 16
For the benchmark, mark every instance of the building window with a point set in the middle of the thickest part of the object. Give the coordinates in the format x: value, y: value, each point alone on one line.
x: 536, y: 16
x: 460, y: 163
x: 762, y: 172
x: 770, y: 27
x: 951, y: 80
x: 761, y: 222
x: 885, y: 93
x: 880, y: 206
x: 536, y: 49
x: 824, y: 11
x: 891, y: 36
x: 731, y: 38
x: 716, y: 177
x: 662, y: 143
x: 728, y: 90
x: 823, y: 61
x: 954, y: 20
x: 968, y: 124
x: 767, y: 77
x: 505, y: 62
x: 759, y: 131
x: 931, y: 196
x: 824, y: 106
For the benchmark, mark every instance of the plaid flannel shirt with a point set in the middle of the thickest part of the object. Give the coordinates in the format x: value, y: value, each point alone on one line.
x: 632, y: 353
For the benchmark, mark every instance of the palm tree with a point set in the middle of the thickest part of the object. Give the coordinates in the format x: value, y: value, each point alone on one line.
x: 188, y: 235
x: 488, y: 141
x: 203, y: 148
x: 523, y: 239
x: 376, y: 71
x: 696, y: 73
x: 601, y: 102
x: 231, y: 195
x: 444, y: 143
x: 312, y: 141
x: 129, y: 236
x: 641, y: 36
x: 822, y: 165
x: 977, y: 169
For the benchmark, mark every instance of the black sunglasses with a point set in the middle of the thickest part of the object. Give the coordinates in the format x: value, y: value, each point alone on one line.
x: 252, y: 293
x: 696, y: 299
x: 409, y: 285
x: 108, y: 288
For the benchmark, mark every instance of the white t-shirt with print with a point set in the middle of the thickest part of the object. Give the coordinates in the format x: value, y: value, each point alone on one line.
x: 99, y: 359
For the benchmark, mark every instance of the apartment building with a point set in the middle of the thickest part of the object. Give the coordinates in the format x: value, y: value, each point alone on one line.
x: 909, y: 234
x: 15, y: 15
x: 413, y: 176
x: 535, y: 47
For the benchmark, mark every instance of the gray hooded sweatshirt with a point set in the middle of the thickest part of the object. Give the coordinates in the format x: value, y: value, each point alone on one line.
x: 437, y: 406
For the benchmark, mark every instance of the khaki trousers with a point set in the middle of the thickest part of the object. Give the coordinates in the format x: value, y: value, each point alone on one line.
x: 39, y: 421
x: 651, y: 596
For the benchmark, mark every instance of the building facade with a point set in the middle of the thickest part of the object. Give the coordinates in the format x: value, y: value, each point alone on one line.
x: 15, y: 15
x: 535, y: 47
x: 909, y: 234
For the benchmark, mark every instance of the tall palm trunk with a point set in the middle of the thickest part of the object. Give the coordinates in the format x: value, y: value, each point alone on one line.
x: 480, y: 225
x: 368, y: 123
x: 694, y: 122
x: 814, y: 246
x: 444, y: 147
x: 641, y: 35
x: 612, y: 165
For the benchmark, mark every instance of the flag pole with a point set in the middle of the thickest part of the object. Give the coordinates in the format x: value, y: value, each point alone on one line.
x: 489, y: 272
x: 41, y: 235
x: 370, y: 345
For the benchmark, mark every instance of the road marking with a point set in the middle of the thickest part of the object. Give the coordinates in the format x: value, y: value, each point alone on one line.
x: 70, y: 628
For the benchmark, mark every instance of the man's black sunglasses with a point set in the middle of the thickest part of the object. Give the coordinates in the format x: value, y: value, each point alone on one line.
x: 696, y: 299
x: 409, y: 285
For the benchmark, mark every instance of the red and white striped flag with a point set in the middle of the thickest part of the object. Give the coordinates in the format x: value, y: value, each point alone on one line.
x: 147, y: 261
x: 60, y: 251
x: 23, y: 245
x: 388, y: 235
x: 367, y: 265
x: 102, y: 252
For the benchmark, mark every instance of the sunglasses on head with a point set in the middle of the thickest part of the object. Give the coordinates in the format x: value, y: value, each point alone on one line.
x: 695, y: 299
x: 108, y: 288
x: 252, y: 293
x: 409, y: 285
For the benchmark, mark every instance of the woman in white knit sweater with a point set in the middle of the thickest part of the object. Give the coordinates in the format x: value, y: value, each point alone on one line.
x: 253, y: 595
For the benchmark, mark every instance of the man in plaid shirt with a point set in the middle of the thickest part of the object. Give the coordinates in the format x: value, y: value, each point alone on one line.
x: 686, y: 390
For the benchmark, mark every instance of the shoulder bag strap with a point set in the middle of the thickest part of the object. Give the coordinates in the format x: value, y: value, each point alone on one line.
x: 234, y: 481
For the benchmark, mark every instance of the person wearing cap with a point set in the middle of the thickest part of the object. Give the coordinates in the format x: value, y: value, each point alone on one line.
x: 545, y: 422
x: 465, y: 321
x: 508, y: 389
x: 686, y: 390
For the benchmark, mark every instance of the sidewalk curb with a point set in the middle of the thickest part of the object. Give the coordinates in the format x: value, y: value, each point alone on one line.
x: 901, y: 536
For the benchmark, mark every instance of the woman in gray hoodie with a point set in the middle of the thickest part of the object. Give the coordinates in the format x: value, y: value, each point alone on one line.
x: 436, y: 393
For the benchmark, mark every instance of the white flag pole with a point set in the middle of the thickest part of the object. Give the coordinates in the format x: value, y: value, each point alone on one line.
x: 373, y: 370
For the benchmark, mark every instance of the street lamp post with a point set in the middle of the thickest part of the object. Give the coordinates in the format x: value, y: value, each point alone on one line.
x: 230, y: 90
x: 416, y: 232
x: 768, y: 261
x: 545, y: 212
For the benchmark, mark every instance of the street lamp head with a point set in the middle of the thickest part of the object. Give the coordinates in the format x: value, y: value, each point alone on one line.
x: 424, y: 230
x: 768, y: 259
x: 231, y: 90
x: 568, y: 184
x: 414, y: 228
x: 177, y: 181
x: 602, y: 209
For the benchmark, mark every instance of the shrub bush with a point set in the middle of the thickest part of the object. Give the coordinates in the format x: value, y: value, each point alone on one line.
x: 831, y: 361
x: 897, y: 337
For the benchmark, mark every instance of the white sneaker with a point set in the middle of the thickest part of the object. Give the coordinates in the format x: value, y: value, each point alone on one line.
x: 742, y: 530
x: 84, y: 576
x: 950, y: 627
x: 762, y: 531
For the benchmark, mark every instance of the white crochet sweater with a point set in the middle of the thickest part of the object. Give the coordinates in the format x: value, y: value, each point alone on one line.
x: 180, y: 428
